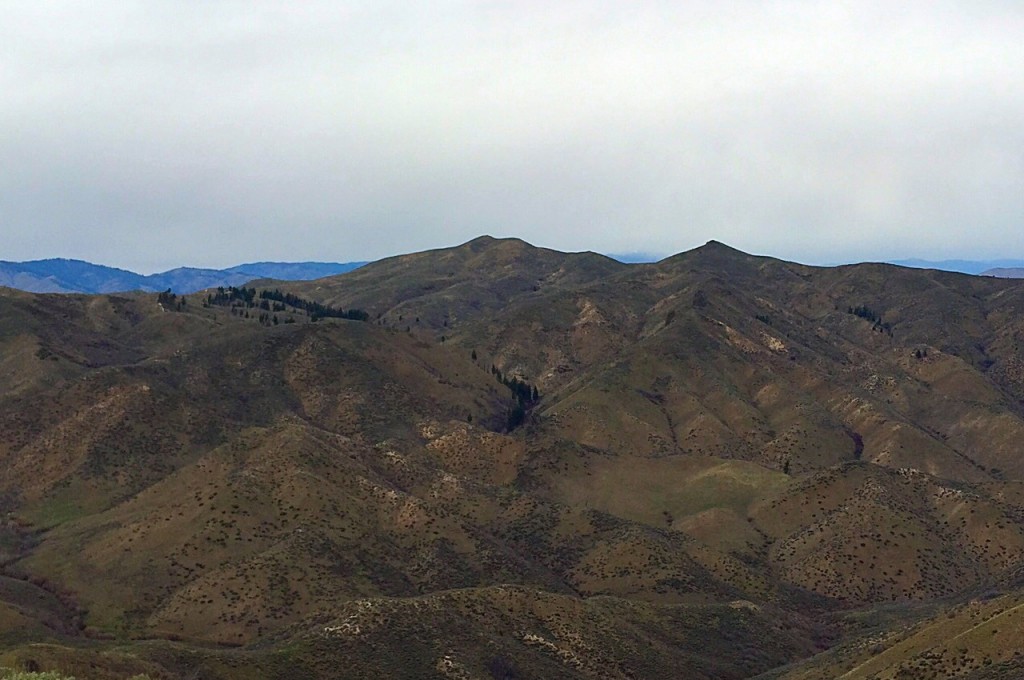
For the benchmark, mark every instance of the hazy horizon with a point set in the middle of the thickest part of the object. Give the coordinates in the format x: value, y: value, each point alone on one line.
x: 627, y: 257
x: 150, y: 134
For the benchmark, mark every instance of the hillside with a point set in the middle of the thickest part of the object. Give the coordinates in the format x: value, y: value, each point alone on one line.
x: 523, y: 463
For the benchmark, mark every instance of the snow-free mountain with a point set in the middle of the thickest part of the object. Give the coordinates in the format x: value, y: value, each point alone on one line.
x: 59, y: 275
x: 501, y: 461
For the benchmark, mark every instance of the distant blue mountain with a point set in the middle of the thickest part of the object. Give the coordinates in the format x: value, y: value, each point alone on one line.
x: 1005, y: 272
x: 962, y: 266
x: 635, y: 258
x: 76, y: 276
x: 294, y: 271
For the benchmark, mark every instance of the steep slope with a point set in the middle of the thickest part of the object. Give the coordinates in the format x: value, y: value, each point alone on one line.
x: 978, y: 639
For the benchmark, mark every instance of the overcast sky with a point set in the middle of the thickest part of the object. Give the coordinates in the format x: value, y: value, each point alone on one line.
x: 154, y: 134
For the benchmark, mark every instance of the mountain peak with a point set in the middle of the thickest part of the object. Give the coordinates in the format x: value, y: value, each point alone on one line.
x: 714, y: 246
x: 711, y: 253
x: 488, y: 242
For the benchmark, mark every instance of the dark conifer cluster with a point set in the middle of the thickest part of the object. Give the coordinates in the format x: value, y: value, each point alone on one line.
x: 273, y: 301
x: 315, y: 310
x: 171, y: 299
x: 526, y: 396
x: 868, y: 314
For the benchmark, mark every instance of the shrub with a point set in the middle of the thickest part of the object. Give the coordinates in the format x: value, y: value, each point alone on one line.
x: 11, y: 674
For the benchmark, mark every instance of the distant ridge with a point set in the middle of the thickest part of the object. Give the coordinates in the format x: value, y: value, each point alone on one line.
x: 635, y: 258
x: 982, y: 267
x: 1005, y: 272
x: 1013, y: 269
x: 59, y: 275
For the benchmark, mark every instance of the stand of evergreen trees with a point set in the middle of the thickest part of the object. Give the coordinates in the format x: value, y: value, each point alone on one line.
x: 526, y: 396
x: 228, y: 296
x: 315, y: 310
x: 869, y: 314
x: 246, y: 297
x: 171, y: 299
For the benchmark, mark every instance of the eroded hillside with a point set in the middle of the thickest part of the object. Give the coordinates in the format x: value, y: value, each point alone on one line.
x: 523, y: 463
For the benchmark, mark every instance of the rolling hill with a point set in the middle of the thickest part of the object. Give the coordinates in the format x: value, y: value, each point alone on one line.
x: 522, y: 463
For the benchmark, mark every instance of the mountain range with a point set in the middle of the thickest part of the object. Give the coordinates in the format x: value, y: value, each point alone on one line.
x: 76, y: 276
x: 980, y: 267
x: 1005, y: 272
x: 58, y: 275
x: 502, y: 461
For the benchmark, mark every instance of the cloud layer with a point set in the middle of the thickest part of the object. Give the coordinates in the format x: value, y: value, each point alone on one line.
x: 153, y: 134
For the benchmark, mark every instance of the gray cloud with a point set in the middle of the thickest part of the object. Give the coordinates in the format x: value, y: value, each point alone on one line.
x: 153, y: 134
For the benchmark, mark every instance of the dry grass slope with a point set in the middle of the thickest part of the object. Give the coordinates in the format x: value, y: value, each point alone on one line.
x: 735, y: 463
